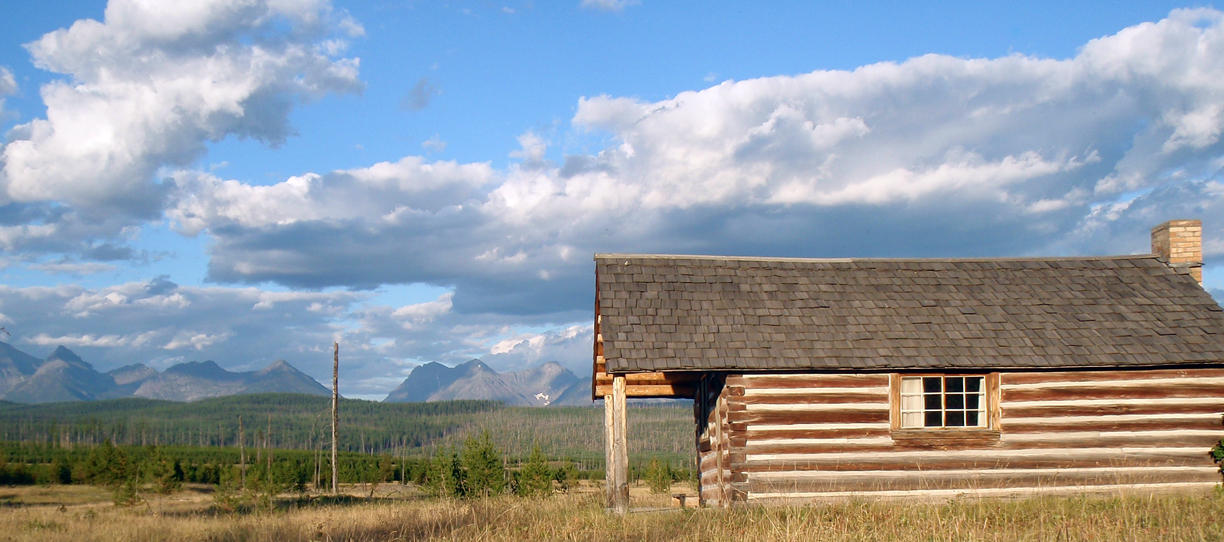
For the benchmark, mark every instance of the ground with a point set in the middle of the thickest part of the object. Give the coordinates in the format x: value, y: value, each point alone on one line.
x: 394, y: 512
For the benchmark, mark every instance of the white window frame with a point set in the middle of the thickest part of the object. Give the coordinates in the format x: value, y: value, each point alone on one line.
x: 913, y: 412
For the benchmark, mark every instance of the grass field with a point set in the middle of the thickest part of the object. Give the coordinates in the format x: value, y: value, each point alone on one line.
x: 400, y: 513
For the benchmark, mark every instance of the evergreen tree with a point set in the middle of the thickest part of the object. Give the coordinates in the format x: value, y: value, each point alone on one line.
x: 484, y: 471
x: 658, y: 476
x: 107, y: 466
x: 61, y: 470
x: 165, y: 473
x: 534, y: 479
x: 565, y: 475
x: 444, y: 477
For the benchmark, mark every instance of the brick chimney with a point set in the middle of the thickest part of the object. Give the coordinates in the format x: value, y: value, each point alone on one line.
x: 1180, y: 243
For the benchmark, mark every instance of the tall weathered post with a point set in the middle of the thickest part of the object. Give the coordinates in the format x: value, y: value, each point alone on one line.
x: 617, y: 452
x: 335, y: 487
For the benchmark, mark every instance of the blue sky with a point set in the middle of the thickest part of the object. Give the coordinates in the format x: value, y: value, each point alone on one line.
x: 249, y: 180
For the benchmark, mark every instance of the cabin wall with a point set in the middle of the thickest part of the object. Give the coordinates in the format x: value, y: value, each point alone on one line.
x: 814, y: 436
x: 720, y: 410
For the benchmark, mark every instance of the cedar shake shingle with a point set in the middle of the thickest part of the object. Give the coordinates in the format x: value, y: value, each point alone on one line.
x: 675, y: 313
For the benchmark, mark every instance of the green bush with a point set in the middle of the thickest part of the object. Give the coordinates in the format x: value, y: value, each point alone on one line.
x: 658, y: 477
x: 534, y: 479
x: 444, y: 478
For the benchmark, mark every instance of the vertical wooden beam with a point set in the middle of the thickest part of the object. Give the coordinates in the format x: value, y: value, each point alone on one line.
x: 609, y: 439
x: 620, y: 449
x: 699, y: 421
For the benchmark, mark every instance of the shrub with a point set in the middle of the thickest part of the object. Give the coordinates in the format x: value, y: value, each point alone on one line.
x: 658, y: 477
x: 565, y: 476
x: 534, y: 478
x: 444, y: 478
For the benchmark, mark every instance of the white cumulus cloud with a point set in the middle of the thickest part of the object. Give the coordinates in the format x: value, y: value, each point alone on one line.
x: 148, y: 86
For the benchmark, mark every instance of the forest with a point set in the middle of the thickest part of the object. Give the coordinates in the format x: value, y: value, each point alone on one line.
x: 283, y: 440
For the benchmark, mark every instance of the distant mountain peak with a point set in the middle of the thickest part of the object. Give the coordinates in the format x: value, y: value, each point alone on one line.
x: 14, y: 364
x: 208, y: 369
x: 541, y: 385
x: 132, y: 375
x: 474, y: 365
x: 63, y: 353
x: 279, y: 365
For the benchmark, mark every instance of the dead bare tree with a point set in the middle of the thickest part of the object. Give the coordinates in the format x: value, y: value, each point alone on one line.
x: 268, y: 446
x: 335, y: 413
x: 241, y: 454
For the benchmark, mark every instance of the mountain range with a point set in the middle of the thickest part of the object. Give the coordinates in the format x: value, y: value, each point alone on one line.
x: 64, y: 376
x: 543, y: 385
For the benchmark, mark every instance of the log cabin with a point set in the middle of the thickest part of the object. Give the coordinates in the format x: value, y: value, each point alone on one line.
x: 826, y: 378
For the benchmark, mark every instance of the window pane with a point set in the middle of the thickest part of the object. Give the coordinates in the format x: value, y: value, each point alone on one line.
x: 973, y: 384
x: 911, y: 384
x: 971, y: 419
x: 971, y: 401
x: 932, y: 384
x: 911, y: 402
x: 955, y: 384
x: 956, y: 419
x: 933, y: 402
x: 934, y: 419
x: 956, y: 401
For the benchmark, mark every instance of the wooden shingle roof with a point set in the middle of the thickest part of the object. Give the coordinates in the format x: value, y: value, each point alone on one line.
x: 677, y: 313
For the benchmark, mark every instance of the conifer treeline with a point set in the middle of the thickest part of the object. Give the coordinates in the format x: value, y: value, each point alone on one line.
x: 300, y: 422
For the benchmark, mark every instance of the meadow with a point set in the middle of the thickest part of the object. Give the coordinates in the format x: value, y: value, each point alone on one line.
x: 176, y: 474
x: 401, y: 512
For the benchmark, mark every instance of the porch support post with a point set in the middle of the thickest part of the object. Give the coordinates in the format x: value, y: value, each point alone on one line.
x: 617, y: 456
x: 609, y: 423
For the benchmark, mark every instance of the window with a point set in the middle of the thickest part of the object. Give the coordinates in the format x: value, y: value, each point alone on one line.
x: 943, y: 402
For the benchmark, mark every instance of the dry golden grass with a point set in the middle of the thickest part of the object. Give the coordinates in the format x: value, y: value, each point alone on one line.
x: 81, y: 514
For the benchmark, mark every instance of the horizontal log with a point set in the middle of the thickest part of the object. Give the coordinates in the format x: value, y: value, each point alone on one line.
x: 967, y: 479
x: 1123, y: 383
x: 977, y: 492
x: 982, y: 443
x: 965, y: 473
x: 817, y: 398
x: 1036, y: 410
x: 649, y: 378
x: 1191, y: 438
x: 1207, y: 422
x: 1089, y: 391
x: 815, y: 407
x: 820, y: 392
x: 816, y: 416
x: 945, y: 438
x: 832, y: 426
x: 985, y: 461
x: 1089, y: 376
x: 807, y: 380
x: 936, y: 456
x: 682, y: 391
x: 782, y: 434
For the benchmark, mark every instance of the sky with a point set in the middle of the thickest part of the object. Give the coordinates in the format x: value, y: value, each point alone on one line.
x: 251, y: 180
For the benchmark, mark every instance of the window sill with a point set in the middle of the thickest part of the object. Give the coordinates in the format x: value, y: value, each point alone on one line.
x: 952, y: 437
